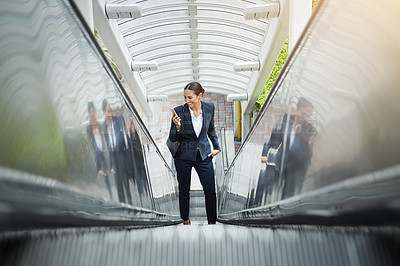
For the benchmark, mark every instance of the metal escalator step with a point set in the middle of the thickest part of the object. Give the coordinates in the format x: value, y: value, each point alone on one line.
x: 201, y: 244
x: 197, y: 212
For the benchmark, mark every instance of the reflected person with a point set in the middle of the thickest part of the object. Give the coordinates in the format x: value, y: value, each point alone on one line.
x: 115, y: 132
x: 294, y: 155
x: 267, y: 178
x: 138, y: 163
x: 195, y: 150
x: 98, y: 145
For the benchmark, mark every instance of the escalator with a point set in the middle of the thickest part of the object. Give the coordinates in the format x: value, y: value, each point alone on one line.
x: 200, y: 244
x: 68, y: 197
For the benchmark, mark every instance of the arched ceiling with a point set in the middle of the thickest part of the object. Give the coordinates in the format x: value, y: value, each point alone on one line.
x: 194, y: 41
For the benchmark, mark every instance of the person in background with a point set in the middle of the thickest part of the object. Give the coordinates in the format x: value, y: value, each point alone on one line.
x: 117, y: 142
x: 138, y: 161
x: 98, y: 145
x: 197, y: 119
x: 296, y: 153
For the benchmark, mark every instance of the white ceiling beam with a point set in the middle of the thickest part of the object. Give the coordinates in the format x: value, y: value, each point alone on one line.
x: 193, y: 23
x: 270, y: 50
x: 178, y: 4
x: 194, y: 35
x: 229, y: 22
x: 217, y: 73
x: 192, y: 10
x: 195, y: 55
x: 227, y: 78
x: 151, y: 48
x: 174, y: 81
x: 118, y: 50
x: 175, y: 89
x: 300, y: 13
x: 135, y: 40
x: 194, y: 45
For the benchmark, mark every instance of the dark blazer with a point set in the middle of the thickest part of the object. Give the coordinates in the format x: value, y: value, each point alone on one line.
x: 190, y: 143
x: 119, y: 132
x: 296, y: 159
x: 115, y: 151
x: 99, y: 154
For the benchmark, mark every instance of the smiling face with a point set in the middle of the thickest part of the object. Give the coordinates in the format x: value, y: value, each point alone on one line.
x: 191, y: 98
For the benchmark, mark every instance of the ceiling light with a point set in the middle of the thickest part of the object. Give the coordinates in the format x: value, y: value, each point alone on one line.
x: 157, y: 98
x: 115, y: 11
x: 144, y: 65
x: 246, y: 66
x: 236, y: 97
x: 270, y: 10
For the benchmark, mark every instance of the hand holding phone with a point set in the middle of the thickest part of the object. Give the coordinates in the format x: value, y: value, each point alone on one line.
x: 173, y: 112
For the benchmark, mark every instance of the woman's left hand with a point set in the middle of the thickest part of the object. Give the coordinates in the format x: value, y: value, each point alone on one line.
x: 214, y: 152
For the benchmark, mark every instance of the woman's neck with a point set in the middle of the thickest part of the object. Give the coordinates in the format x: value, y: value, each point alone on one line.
x: 196, y: 108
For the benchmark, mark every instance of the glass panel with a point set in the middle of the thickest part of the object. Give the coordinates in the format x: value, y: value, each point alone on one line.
x: 64, y: 117
x: 326, y: 139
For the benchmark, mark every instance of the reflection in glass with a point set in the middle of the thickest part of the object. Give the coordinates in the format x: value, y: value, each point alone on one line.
x: 286, y: 159
x: 298, y: 149
x: 99, y: 148
x: 117, y: 143
x: 340, y: 153
x: 64, y: 122
x: 138, y: 168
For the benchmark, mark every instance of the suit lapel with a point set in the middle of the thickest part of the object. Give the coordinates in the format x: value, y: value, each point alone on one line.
x: 204, y: 114
x: 188, y: 125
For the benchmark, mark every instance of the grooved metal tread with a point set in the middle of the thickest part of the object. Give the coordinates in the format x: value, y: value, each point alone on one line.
x: 202, y: 244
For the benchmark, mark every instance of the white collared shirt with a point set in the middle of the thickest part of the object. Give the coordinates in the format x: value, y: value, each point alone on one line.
x: 97, y: 139
x: 111, y: 135
x: 197, y: 122
x: 295, y: 130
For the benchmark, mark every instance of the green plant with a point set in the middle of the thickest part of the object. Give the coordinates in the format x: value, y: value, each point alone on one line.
x: 275, y: 72
x: 272, y: 77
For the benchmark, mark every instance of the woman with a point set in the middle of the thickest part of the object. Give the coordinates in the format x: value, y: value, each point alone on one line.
x: 117, y: 143
x: 137, y: 160
x: 97, y: 141
x: 192, y: 124
x: 98, y: 145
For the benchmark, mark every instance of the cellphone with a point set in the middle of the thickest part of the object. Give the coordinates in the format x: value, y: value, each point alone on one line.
x: 174, y: 112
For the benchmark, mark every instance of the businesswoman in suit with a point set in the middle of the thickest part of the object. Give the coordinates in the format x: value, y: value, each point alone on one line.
x: 197, y: 120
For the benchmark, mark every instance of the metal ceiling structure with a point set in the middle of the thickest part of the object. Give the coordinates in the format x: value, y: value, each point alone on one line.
x: 194, y: 40
x: 190, y: 40
x: 199, y: 40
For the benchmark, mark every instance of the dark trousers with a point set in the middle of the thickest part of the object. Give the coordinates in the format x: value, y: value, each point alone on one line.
x: 205, y: 171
